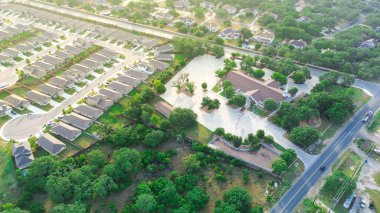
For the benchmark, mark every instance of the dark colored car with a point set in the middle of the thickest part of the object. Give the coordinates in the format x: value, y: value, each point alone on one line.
x: 322, y: 168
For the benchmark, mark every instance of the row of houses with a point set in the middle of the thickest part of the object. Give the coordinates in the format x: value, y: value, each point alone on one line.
x: 59, y: 21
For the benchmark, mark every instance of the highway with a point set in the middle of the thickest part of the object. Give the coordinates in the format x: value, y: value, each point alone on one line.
x: 330, y: 155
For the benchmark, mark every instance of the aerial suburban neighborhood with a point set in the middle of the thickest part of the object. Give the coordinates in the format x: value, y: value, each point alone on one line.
x: 184, y: 106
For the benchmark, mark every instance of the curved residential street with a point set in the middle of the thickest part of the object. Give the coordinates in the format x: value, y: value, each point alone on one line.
x: 25, y: 126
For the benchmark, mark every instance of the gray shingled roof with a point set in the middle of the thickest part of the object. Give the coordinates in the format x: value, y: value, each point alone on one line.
x: 16, y: 101
x: 137, y: 74
x: 51, y: 144
x: 129, y: 80
x: 49, y: 89
x: 120, y: 87
x: 66, y: 131
x: 23, y: 154
x: 38, y: 97
x: 112, y: 95
x: 99, y: 101
x: 88, y: 111
x: 77, y: 120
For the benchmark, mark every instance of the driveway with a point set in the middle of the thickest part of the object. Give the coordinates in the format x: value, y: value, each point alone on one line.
x: 232, y: 120
x: 21, y: 128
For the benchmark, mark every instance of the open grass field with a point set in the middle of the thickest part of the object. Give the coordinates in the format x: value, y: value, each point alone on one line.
x: 377, y: 178
x: 69, y: 151
x: 28, y: 80
x: 4, y: 119
x: 348, y: 162
x: 44, y: 108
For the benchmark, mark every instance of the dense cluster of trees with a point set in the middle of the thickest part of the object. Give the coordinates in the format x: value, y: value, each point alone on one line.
x: 228, y: 66
x: 334, y: 182
x: 336, y: 107
x: 194, y: 47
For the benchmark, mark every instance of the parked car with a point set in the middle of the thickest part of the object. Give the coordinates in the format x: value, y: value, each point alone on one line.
x: 367, y: 116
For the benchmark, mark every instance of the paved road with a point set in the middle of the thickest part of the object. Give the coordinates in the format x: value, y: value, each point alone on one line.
x: 25, y: 126
x: 312, y: 175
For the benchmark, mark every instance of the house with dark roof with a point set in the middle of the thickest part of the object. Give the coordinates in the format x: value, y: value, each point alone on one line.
x: 77, y: 120
x: 99, y: 101
x: 51, y: 90
x: 88, y: 111
x: 61, y: 82
x: 23, y: 154
x: 120, y: 87
x: 230, y: 33
x: 164, y: 108
x: 38, y: 97
x: 108, y: 53
x: 51, y: 144
x: 164, y: 57
x: 166, y: 48
x: 258, y: 91
x: 158, y: 65
x: 128, y: 80
x: 17, y: 102
x: 66, y: 131
x: 137, y: 74
x: 111, y: 94
x: 298, y: 43
x: 93, y: 65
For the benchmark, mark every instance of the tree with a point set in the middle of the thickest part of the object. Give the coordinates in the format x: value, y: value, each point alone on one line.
x: 72, y: 3
x: 218, y: 51
x: 197, y: 198
x: 279, y: 166
x: 225, y: 208
x: 204, y: 86
x: 160, y: 88
x: 338, y: 113
x: 282, y: 79
x: 59, y: 188
x: 164, y: 124
x: 188, y: 46
x: 238, y: 100
x: 270, y: 104
x: 191, y: 163
x: 289, y: 155
x: 154, y: 138
x: 228, y: 92
x: 293, y: 91
x: 38, y: 172
x: 304, y: 135
x: 227, y: 23
x: 311, y: 207
x: 246, y: 33
x: 95, y: 158
x: 103, y: 186
x: 299, y: 77
x: 66, y: 208
x: 259, y: 73
x: 146, y: 203
x: 182, y: 118
x: 239, y: 198
x: 198, y: 13
x: 219, y: 131
x: 260, y: 134
x: 334, y: 182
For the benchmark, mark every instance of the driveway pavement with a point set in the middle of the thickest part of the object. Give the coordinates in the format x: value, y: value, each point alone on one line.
x: 232, y: 120
x: 21, y: 128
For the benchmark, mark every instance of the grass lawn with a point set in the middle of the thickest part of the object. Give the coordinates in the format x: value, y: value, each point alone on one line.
x: 59, y: 99
x: 114, y: 116
x: 28, y: 80
x: 377, y: 178
x: 21, y: 112
x: 60, y: 72
x: 375, y: 124
x: 18, y: 59
x: 28, y: 54
x: 80, y: 84
x: 70, y: 91
x: 4, y: 94
x: 258, y: 111
x: 199, y: 133
x: 44, y: 108
x: 90, y: 77
x: 69, y: 151
x: 4, y: 119
x: 179, y: 58
x: 20, y: 91
x: 123, y: 100
x: 375, y: 197
x: 100, y: 71
x: 348, y: 162
x: 84, y: 140
x: 7, y: 64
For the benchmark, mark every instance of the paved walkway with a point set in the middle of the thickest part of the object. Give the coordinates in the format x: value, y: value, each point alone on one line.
x: 21, y: 128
